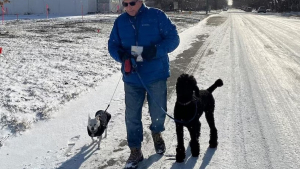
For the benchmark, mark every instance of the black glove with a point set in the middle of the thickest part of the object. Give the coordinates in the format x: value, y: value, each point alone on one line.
x: 126, y: 59
x: 123, y: 55
x: 149, y: 52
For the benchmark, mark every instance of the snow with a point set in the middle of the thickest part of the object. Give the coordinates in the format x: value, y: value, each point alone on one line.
x: 56, y: 72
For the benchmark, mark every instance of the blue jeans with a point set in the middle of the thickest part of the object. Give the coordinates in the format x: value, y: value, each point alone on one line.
x: 134, y: 100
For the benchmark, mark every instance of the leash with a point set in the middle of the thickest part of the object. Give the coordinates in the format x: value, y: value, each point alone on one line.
x: 134, y: 66
x: 113, y: 94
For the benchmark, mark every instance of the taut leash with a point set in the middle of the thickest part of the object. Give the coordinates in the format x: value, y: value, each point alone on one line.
x: 134, y: 66
x: 113, y: 93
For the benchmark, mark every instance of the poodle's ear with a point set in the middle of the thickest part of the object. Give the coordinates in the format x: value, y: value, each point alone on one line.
x: 197, y: 91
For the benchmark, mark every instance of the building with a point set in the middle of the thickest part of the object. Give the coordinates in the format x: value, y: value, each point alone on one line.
x: 61, y: 7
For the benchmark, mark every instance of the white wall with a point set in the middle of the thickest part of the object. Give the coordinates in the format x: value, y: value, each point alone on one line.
x: 16, y: 7
x: 35, y: 6
x: 58, y: 7
x: 92, y: 5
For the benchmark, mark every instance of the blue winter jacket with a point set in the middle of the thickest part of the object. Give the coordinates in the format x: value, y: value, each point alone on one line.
x: 149, y: 27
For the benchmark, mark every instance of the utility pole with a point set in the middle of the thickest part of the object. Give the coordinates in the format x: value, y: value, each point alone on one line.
x: 206, y: 7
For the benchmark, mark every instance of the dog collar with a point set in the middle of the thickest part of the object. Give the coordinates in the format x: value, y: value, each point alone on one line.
x: 187, y: 103
x: 184, y: 104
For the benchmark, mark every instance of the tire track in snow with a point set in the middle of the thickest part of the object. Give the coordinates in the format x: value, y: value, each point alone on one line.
x: 274, y: 106
x: 278, y: 70
x: 248, y: 123
x: 285, y: 37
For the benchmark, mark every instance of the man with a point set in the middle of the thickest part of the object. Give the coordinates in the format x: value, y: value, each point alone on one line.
x: 145, y: 35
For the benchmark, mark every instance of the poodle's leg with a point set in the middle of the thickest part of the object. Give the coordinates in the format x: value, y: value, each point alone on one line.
x: 180, y: 150
x: 99, y: 141
x: 194, y: 130
x: 106, y: 132
x: 209, y: 115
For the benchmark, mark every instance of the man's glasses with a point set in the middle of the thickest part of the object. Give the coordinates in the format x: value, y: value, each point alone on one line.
x: 125, y: 4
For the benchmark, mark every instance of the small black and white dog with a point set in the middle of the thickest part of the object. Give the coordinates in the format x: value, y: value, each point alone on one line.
x: 190, y: 105
x: 98, y: 125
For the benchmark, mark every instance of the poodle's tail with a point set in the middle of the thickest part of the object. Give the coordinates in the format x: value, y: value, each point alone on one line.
x: 218, y: 83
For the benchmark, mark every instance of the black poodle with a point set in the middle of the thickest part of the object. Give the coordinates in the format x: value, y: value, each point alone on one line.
x: 190, y: 104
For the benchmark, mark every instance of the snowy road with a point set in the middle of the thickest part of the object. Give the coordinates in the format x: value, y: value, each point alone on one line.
x: 258, y: 58
x: 265, y: 74
x: 257, y: 110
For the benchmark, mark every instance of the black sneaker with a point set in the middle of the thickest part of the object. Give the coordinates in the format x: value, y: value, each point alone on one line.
x: 159, y: 143
x: 135, y: 157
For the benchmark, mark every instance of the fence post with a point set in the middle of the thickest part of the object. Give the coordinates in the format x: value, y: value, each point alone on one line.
x: 3, y: 14
x: 82, y: 11
x: 47, y: 10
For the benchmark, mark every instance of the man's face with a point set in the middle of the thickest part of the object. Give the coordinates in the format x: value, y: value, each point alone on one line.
x: 132, y: 10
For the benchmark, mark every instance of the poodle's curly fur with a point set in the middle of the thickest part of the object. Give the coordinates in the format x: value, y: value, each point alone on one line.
x: 190, y: 105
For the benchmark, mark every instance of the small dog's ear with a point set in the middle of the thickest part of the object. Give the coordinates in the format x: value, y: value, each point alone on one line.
x: 197, y: 91
x: 89, y: 118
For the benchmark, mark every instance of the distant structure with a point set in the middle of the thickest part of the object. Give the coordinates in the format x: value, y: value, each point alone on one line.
x: 61, y: 7
x: 176, y: 5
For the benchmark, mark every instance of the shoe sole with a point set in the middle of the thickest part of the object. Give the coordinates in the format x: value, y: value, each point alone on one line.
x: 160, y: 152
x: 135, y: 166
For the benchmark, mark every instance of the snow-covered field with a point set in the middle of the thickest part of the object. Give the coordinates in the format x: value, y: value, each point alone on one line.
x: 58, y: 71
x: 46, y: 63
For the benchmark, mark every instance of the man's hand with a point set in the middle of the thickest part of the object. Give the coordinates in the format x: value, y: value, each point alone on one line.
x: 149, y: 52
x: 123, y: 55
